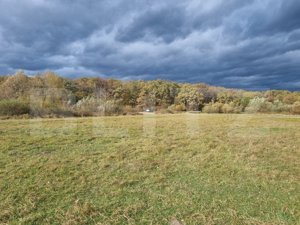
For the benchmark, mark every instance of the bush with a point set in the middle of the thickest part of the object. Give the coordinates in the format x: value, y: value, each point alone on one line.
x: 91, y: 106
x: 263, y: 106
x: 129, y: 110
x: 258, y: 105
x: 86, y: 106
x: 164, y: 111
x: 222, y: 108
x: 228, y: 108
x: 279, y: 107
x: 213, y: 108
x: 177, y: 108
x: 13, y: 108
x: 296, y: 108
x: 39, y: 109
x: 110, y: 108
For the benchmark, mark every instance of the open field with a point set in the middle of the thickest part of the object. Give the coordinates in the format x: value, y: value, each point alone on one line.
x: 197, y: 168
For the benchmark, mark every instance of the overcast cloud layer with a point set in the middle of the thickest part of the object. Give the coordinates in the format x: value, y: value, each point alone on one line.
x: 252, y: 44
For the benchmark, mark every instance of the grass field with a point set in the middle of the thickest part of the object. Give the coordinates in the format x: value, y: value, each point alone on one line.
x: 151, y: 169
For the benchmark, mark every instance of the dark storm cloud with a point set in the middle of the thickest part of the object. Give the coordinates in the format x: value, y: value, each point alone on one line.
x: 166, y: 23
x: 248, y: 44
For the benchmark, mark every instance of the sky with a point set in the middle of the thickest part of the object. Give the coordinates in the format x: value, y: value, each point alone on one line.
x: 249, y: 44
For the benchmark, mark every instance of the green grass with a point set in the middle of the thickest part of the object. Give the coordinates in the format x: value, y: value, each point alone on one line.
x: 197, y: 168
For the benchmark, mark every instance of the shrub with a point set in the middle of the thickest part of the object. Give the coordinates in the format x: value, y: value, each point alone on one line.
x: 222, y: 108
x: 13, y: 107
x: 228, y: 108
x: 296, y: 108
x: 262, y: 105
x: 177, y: 108
x: 242, y: 103
x: 238, y: 109
x: 213, y: 108
x: 40, y: 109
x: 90, y: 106
x: 129, y: 110
x: 279, y: 107
x: 109, y: 108
x: 180, y: 108
x: 87, y: 106
x: 258, y: 105
x: 164, y: 111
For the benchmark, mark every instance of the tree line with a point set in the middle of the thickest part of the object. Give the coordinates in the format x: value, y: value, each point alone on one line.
x: 49, y: 95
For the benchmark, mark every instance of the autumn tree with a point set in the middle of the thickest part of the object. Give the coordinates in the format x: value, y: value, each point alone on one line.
x: 158, y: 93
x: 15, y: 86
x: 190, y: 97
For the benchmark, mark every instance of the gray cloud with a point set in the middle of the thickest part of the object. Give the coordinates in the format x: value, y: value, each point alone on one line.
x: 248, y: 44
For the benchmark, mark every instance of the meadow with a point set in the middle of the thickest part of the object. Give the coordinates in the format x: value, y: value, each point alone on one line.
x: 151, y: 169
